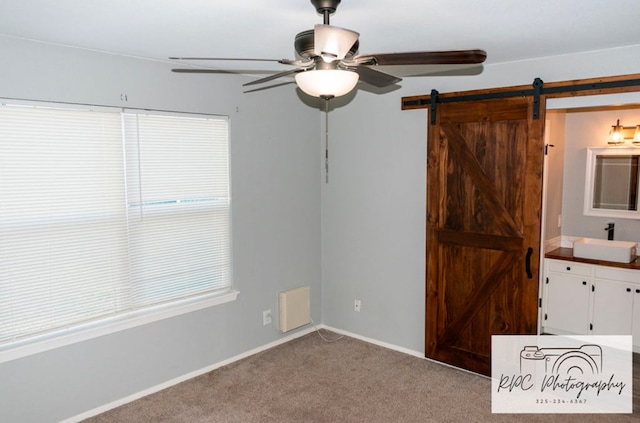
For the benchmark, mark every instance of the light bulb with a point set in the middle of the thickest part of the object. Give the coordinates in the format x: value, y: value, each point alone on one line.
x: 616, y: 136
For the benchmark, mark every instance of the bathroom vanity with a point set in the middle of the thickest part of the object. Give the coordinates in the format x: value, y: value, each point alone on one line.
x: 590, y: 297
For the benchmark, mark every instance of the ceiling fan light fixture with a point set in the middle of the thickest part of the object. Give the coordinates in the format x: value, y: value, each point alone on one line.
x: 328, y: 65
x: 327, y: 82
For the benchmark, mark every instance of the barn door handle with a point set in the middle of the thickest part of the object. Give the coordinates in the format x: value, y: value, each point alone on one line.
x: 528, y: 263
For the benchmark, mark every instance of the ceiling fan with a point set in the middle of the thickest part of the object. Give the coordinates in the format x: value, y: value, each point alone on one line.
x: 328, y: 64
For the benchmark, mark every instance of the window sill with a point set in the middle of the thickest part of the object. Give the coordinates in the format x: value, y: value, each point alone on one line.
x: 60, y: 338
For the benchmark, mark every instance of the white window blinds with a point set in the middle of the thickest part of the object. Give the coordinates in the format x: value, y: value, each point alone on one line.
x: 178, y: 206
x: 93, y: 225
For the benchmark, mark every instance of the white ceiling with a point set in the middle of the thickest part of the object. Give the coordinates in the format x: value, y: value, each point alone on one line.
x: 509, y: 30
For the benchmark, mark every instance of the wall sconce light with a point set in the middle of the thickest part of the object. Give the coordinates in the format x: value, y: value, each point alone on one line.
x: 619, y: 134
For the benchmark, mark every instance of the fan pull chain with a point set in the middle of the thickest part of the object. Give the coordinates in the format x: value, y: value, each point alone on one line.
x: 326, y: 140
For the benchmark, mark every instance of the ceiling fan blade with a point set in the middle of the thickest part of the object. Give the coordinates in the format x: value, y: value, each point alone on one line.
x: 244, y: 59
x: 374, y: 77
x: 450, y: 57
x: 272, y: 77
x: 332, y: 42
x: 225, y: 58
x: 199, y: 71
x: 223, y: 71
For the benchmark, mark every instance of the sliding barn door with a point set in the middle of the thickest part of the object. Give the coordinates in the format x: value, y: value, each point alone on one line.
x: 484, y: 196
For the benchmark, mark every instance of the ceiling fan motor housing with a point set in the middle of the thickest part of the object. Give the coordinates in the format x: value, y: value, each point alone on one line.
x: 323, y: 6
x: 304, y: 45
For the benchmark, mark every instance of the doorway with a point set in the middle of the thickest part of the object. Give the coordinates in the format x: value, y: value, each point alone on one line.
x: 484, y: 243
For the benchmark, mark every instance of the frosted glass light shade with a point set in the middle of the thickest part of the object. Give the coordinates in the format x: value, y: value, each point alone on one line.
x: 616, y: 135
x: 326, y: 82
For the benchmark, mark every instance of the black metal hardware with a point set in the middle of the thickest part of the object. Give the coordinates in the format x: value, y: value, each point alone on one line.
x: 418, y: 102
x: 592, y: 86
x: 537, y: 89
x: 610, y: 228
x: 568, y: 268
x: 539, y: 302
x: 628, y: 289
x: 546, y: 148
x: 593, y: 288
x: 545, y: 316
x: 637, y: 291
x: 528, y: 263
x: 486, y: 96
x: 591, y: 326
x: 434, y: 102
x: 547, y: 281
x: 584, y: 282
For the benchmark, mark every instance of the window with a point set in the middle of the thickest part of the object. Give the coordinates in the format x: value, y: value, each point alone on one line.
x: 106, y: 214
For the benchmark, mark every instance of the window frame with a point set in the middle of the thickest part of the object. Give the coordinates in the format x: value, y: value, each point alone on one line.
x: 84, y: 331
x: 589, y: 184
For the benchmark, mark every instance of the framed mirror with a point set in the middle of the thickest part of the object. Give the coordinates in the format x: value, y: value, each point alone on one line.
x: 612, y: 182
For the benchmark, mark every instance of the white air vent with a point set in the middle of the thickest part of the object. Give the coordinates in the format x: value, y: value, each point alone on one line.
x: 295, y: 308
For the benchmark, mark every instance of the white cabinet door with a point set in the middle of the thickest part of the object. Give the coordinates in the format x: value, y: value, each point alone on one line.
x: 580, y: 298
x: 567, y: 303
x: 635, y: 326
x: 612, y: 308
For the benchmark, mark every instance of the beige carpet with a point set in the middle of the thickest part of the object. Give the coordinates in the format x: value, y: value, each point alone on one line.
x: 310, y: 380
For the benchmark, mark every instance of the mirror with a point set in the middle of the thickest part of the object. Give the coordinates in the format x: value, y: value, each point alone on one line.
x: 611, y: 185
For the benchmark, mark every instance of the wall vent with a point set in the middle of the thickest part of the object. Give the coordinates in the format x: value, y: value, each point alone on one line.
x: 295, y: 308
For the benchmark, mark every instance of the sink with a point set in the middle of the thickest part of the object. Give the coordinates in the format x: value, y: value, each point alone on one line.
x: 602, y: 249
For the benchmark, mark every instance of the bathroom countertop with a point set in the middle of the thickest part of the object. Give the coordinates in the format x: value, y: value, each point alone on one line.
x: 567, y: 254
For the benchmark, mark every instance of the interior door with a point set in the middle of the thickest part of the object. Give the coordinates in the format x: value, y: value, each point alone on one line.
x: 484, y: 196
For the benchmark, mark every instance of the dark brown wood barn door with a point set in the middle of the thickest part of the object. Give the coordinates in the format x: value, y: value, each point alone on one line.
x: 484, y: 195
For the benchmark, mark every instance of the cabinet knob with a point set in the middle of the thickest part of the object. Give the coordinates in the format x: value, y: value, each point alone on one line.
x: 628, y: 289
x: 568, y: 267
x: 584, y: 282
x: 637, y: 291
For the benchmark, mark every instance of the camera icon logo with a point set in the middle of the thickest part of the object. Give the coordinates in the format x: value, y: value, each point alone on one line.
x: 585, y: 360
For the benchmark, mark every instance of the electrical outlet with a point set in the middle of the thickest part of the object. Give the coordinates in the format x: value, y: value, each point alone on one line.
x: 266, y: 317
x: 356, y: 305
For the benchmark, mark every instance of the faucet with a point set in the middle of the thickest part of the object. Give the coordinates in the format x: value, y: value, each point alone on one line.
x: 609, y: 230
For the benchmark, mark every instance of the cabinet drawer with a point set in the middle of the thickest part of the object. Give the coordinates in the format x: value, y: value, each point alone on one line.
x: 569, y: 268
x: 616, y: 274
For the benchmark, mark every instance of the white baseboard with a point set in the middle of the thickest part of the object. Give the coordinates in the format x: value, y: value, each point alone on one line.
x: 179, y: 379
x: 418, y: 354
x: 414, y: 353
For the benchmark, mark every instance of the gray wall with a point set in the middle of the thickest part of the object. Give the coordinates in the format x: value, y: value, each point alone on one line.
x: 373, y: 210
x: 554, y: 174
x: 275, y: 174
x: 360, y: 236
x: 591, y: 129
